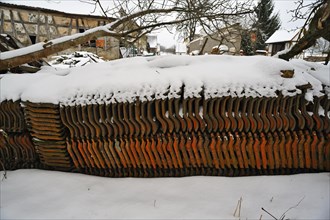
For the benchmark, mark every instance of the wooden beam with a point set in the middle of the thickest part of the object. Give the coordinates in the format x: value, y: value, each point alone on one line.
x: 70, y: 27
x: 12, y: 23
x: 2, y: 22
x: 38, y: 29
x: 47, y: 27
x: 22, y: 22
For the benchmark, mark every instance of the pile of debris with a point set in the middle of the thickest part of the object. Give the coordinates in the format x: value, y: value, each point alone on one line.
x: 78, y: 58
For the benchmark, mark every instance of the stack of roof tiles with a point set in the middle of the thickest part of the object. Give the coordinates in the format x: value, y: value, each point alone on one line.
x: 172, y: 137
x: 16, y: 147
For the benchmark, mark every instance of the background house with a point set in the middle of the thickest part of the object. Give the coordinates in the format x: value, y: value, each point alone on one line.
x: 30, y: 25
x: 282, y: 40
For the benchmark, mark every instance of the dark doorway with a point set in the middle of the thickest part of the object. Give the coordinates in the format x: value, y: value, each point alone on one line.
x: 33, y: 39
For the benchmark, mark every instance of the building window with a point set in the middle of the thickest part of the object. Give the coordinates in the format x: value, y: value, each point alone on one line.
x: 92, y: 43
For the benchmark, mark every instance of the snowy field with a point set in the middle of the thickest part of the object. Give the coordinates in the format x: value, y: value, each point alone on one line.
x: 38, y: 194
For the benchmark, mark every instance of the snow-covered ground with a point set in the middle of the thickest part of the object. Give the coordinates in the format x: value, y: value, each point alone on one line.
x: 38, y: 194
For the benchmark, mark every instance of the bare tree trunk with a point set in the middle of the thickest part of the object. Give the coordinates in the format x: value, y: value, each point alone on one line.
x: 308, y: 40
x: 204, y: 44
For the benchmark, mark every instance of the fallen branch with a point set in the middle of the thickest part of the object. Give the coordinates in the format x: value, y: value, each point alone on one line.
x: 283, y: 215
x: 238, y: 208
x: 269, y: 213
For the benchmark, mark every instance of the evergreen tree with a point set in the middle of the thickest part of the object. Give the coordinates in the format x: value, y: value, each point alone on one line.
x: 266, y: 24
x: 246, y: 44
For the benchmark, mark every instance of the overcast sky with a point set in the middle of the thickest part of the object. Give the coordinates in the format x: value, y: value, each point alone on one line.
x: 164, y: 37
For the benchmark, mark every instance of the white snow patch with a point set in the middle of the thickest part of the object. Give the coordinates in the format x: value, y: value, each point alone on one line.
x: 223, y: 47
x: 320, y: 71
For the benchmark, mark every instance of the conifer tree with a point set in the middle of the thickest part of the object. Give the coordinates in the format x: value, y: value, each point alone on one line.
x: 266, y: 23
x: 246, y: 43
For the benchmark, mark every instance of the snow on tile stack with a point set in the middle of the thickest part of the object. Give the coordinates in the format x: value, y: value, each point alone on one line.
x: 182, y: 115
x: 163, y: 77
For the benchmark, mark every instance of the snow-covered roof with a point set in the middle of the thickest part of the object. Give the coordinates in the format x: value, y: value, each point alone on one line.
x: 180, y: 48
x: 196, y: 40
x: 283, y: 36
x: 159, y: 77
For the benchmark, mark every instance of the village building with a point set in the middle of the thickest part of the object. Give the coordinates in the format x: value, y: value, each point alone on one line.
x: 282, y: 40
x: 30, y: 25
x: 230, y: 37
